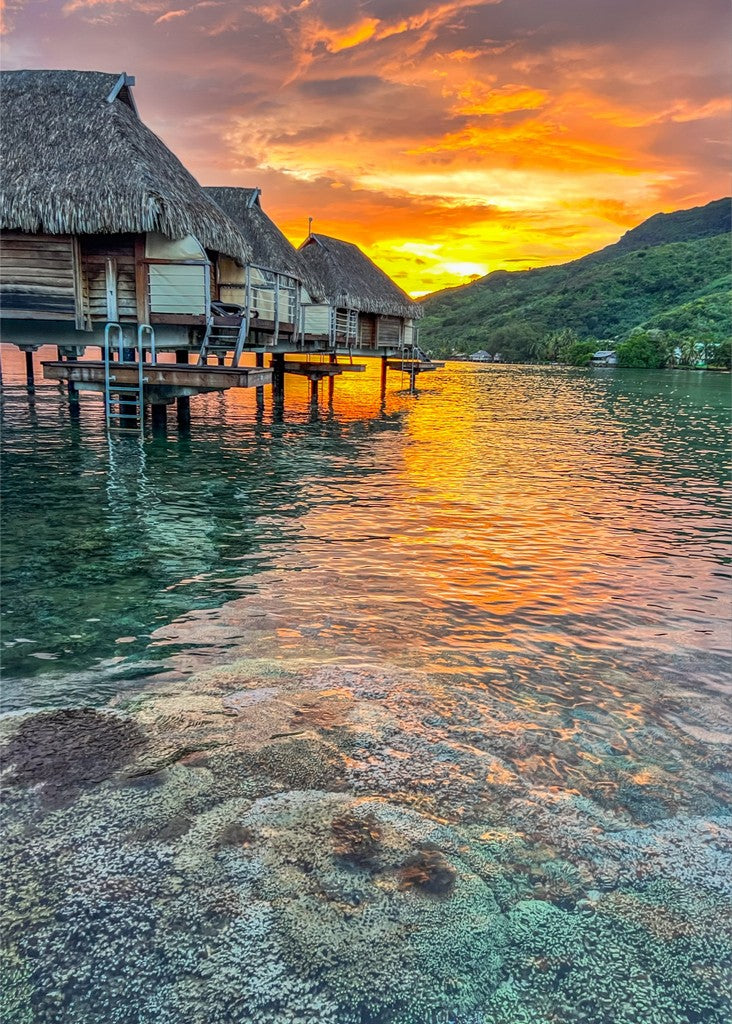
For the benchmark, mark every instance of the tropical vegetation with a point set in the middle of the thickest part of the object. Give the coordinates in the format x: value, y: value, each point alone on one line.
x: 660, y: 295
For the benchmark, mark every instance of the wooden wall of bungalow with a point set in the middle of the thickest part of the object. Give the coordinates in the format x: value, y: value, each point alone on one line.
x: 85, y: 281
x: 89, y: 280
x: 272, y: 297
x: 350, y: 328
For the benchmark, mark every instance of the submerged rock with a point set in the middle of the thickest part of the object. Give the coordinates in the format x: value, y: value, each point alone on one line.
x: 68, y: 750
x: 430, y: 871
x: 356, y: 838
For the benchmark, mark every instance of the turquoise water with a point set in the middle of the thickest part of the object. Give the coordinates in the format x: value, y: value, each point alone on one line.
x: 402, y: 712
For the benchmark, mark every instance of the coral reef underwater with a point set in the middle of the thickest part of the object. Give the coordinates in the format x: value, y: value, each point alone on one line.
x: 294, y: 843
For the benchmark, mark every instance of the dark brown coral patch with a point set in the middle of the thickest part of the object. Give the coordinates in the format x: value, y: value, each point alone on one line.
x: 430, y: 871
x: 235, y: 834
x: 69, y: 750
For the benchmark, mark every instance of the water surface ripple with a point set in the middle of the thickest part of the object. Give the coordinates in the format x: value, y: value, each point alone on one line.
x: 389, y: 713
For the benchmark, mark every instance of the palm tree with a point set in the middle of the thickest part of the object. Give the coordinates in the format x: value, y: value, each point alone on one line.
x: 538, y: 349
x: 688, y: 351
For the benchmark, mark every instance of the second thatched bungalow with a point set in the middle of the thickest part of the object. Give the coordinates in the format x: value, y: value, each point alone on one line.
x: 362, y: 311
x: 269, y: 288
x: 100, y: 221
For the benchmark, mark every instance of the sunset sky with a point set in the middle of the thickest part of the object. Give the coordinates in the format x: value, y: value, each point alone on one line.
x: 445, y: 137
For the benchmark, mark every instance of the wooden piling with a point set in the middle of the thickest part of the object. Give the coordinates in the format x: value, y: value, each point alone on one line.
x: 259, y: 361
x: 278, y: 377
x: 71, y: 390
x: 29, y: 373
x: 383, y: 377
x: 183, y: 411
x: 183, y: 402
x: 331, y: 382
x: 159, y: 414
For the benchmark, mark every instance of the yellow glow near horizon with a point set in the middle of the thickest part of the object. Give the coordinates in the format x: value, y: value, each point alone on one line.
x: 447, y: 138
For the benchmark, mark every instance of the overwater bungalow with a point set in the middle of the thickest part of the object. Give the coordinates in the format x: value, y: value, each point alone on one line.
x: 269, y: 287
x: 361, y: 310
x: 100, y: 221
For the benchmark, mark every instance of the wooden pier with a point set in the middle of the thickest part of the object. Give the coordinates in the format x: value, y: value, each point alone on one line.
x: 211, y: 276
x: 320, y: 371
x: 162, y: 382
x: 413, y: 366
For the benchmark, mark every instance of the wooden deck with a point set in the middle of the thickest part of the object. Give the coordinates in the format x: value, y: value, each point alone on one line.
x: 162, y: 382
x: 413, y: 365
x: 318, y: 371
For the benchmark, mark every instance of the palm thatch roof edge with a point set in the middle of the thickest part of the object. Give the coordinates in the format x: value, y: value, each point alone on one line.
x: 77, y: 159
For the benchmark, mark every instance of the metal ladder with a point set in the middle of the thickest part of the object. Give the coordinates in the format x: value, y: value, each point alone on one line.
x: 125, y: 402
x: 220, y: 339
x: 410, y: 352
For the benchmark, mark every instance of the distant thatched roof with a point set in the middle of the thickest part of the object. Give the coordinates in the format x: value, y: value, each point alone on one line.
x: 351, y: 280
x: 270, y: 249
x: 77, y: 159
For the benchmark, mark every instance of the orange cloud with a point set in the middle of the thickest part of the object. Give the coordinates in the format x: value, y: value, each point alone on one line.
x: 447, y: 137
x: 477, y: 98
x: 169, y: 16
x: 353, y: 36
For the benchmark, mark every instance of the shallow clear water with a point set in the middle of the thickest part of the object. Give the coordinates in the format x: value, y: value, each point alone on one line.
x: 418, y: 711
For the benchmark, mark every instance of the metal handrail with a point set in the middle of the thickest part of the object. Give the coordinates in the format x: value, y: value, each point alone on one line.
x: 108, y: 378
x: 140, y: 337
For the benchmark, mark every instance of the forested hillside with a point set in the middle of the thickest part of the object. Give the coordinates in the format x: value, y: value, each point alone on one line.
x: 672, y: 273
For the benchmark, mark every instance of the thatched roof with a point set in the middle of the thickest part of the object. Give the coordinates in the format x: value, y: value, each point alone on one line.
x: 351, y: 280
x: 270, y: 249
x: 77, y: 159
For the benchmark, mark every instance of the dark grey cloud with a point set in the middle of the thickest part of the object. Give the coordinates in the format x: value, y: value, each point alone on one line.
x: 344, y: 87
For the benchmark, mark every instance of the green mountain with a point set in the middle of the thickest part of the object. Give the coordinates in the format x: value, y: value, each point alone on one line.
x: 671, y: 273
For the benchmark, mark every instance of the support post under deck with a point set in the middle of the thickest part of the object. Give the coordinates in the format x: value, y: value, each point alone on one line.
x: 331, y: 382
x: 259, y: 361
x: 183, y: 402
x: 278, y: 377
x: 72, y: 391
x: 383, y: 377
x: 29, y: 374
x: 74, y: 407
x: 159, y: 415
x: 183, y: 411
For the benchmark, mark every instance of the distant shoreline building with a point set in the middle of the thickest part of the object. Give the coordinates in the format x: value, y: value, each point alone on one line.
x: 604, y: 357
